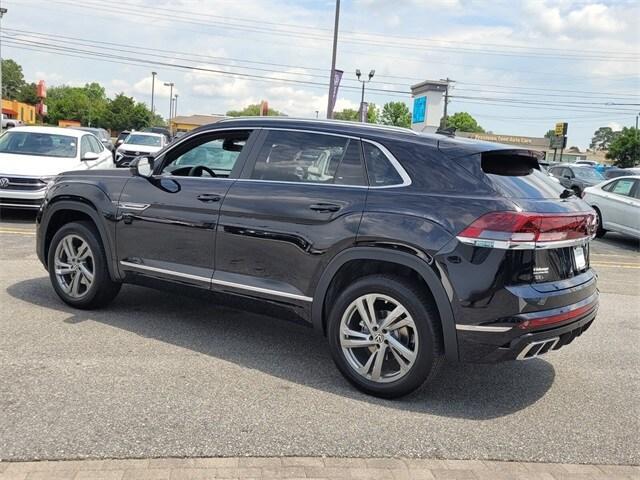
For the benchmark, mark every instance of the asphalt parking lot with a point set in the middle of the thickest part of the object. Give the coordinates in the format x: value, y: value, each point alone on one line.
x: 159, y: 375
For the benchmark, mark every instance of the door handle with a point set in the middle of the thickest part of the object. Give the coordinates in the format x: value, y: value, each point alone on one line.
x: 208, y: 197
x: 325, y: 207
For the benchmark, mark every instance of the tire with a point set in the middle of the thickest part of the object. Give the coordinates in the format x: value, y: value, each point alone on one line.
x: 600, y: 232
x: 68, y: 261
x: 421, y: 335
x: 577, y: 190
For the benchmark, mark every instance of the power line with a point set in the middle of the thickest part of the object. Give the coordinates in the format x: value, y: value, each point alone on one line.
x: 162, y: 53
x: 179, y: 16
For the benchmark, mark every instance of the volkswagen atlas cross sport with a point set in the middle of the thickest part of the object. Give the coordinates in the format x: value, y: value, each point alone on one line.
x: 403, y: 249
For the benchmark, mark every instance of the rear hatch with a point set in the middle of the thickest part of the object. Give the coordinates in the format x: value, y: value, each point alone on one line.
x: 550, y: 228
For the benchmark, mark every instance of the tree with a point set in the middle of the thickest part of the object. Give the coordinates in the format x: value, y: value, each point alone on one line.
x: 602, y: 138
x: 124, y: 112
x: 396, y: 113
x: 253, y: 110
x: 28, y: 94
x: 550, y: 134
x: 464, y: 122
x: 352, y: 115
x: 624, y: 149
x: 12, y: 79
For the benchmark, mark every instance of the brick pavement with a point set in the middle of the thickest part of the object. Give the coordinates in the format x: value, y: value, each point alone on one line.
x: 308, y: 467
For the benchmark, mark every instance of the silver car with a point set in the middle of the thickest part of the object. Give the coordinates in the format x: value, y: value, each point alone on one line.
x: 617, y: 203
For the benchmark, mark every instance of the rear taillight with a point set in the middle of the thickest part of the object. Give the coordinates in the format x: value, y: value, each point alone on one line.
x: 528, y: 230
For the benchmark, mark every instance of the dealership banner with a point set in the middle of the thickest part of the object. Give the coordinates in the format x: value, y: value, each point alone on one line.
x: 337, y: 76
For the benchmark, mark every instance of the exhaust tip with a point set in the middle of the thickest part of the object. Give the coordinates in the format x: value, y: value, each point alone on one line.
x: 535, y: 349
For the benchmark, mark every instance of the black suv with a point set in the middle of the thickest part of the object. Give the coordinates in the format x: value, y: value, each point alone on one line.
x: 402, y: 248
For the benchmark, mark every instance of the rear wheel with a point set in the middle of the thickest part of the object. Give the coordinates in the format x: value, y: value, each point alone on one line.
x: 385, y: 336
x: 78, y: 267
x: 600, y: 232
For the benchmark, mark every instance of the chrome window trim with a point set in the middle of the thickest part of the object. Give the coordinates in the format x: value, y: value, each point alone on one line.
x: 224, y: 283
x: 406, y: 179
x: 509, y: 245
x: 481, y: 328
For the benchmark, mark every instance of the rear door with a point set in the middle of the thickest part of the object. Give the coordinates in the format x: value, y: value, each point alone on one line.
x: 299, y: 200
x: 621, y: 212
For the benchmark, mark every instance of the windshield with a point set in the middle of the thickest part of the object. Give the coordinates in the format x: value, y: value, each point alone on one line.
x: 39, y: 144
x: 588, y: 174
x: 141, y: 139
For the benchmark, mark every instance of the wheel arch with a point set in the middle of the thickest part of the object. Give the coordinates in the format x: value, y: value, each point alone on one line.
x: 61, y: 212
x: 422, y: 269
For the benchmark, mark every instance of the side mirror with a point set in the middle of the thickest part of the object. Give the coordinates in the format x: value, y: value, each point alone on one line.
x: 142, y: 167
x: 90, y: 157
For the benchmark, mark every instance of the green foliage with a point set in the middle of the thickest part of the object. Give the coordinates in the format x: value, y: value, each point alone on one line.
x: 90, y: 106
x: 550, y: 133
x: 464, y: 122
x: 28, y: 94
x: 12, y: 79
x: 253, y: 111
x: 602, y: 138
x: 396, y: 113
x: 624, y: 149
x: 351, y: 115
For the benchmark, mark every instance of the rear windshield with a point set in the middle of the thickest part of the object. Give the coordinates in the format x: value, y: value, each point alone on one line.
x: 587, y: 173
x: 518, y: 176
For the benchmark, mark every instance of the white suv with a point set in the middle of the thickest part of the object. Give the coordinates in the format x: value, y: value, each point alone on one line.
x: 30, y: 157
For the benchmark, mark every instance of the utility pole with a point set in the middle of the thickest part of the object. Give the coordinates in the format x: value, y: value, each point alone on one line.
x: 175, y: 106
x: 363, y: 116
x: 2, y: 12
x: 153, y: 85
x: 170, y: 85
x: 637, y: 140
x: 443, y: 122
x: 333, y: 62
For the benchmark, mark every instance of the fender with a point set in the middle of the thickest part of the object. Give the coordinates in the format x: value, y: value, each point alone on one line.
x: 78, y: 204
x: 406, y: 259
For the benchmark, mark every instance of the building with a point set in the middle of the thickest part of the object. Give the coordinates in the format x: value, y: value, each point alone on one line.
x: 428, y: 105
x: 69, y: 123
x: 188, y: 123
x: 19, y: 111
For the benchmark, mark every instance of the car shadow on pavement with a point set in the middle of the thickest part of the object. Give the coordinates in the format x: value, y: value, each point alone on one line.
x: 295, y: 353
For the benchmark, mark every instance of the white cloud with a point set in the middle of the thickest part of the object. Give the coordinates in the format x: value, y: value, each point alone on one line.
x: 143, y: 87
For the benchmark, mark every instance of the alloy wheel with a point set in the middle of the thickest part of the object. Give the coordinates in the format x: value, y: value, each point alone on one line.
x: 74, y: 266
x: 379, y: 338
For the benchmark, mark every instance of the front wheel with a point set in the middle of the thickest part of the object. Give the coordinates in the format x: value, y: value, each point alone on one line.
x: 385, y: 336
x: 600, y: 232
x: 78, y: 267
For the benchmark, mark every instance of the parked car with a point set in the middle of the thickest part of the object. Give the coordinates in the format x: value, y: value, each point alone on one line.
x: 617, y: 203
x: 30, y: 157
x: 165, y: 131
x: 138, y: 143
x: 440, y: 248
x: 615, y: 172
x: 121, y: 138
x: 576, y: 177
x: 103, y: 136
x: 10, y: 122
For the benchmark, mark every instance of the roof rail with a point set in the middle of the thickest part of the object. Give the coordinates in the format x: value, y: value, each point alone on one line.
x: 274, y: 119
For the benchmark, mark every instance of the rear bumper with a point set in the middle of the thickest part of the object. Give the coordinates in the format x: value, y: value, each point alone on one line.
x: 533, y: 344
x: 527, y: 336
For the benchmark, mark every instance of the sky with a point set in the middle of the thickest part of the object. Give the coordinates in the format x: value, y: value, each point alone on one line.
x: 519, y: 66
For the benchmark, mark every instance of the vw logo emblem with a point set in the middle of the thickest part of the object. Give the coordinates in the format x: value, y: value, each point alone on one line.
x: 138, y: 154
x: 378, y: 338
x: 4, y: 182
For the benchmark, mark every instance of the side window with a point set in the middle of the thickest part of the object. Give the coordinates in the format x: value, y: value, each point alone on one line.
x: 622, y: 187
x: 96, y: 146
x: 380, y: 170
x: 636, y: 193
x: 85, y: 146
x: 207, y: 153
x: 309, y: 158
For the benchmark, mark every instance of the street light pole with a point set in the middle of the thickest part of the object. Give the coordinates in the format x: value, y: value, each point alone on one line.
x: 153, y: 85
x: 170, y: 85
x: 175, y: 106
x: 333, y: 62
x: 363, y: 116
x: 2, y: 12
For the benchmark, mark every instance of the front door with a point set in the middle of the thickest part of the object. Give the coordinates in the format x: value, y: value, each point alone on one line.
x: 166, y: 224
x: 298, y: 202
